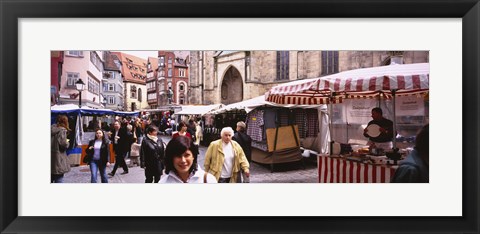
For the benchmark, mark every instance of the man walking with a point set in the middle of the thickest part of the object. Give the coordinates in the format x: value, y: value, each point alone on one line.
x: 120, y: 139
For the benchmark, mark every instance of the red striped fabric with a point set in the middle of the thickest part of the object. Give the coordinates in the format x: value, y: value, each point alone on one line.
x: 372, y: 84
x: 407, y: 79
x: 416, y: 82
x: 339, y: 170
x: 386, y: 83
x: 348, y: 83
x: 401, y: 82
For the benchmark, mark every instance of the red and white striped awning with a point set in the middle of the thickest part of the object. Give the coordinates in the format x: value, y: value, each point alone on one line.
x: 406, y: 79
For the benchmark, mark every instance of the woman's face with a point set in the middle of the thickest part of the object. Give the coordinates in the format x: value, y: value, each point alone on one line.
x: 183, y: 162
x: 184, y: 129
x: 99, y: 134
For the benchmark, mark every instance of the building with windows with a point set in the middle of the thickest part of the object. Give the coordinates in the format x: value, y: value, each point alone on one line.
x: 85, y: 65
x: 152, y: 83
x: 173, y: 75
x: 56, y: 66
x: 134, y: 75
x: 180, y: 75
x: 112, y: 83
x: 232, y: 76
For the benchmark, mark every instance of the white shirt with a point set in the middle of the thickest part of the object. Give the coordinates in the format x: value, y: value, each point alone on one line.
x: 197, y: 178
x: 96, y: 149
x: 115, y: 137
x: 228, y: 161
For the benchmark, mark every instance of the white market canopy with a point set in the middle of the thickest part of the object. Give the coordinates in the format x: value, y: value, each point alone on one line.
x: 247, y: 105
x: 198, y: 110
x: 405, y: 79
x: 69, y: 109
x: 250, y: 104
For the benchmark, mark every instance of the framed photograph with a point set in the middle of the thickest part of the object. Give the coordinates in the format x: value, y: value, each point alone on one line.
x: 31, y: 29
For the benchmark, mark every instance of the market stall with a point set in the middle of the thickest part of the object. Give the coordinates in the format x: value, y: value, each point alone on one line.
x: 380, y: 83
x: 78, y: 138
x: 227, y: 116
x: 279, y: 132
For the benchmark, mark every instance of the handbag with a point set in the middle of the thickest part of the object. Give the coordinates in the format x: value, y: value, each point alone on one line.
x: 88, y: 157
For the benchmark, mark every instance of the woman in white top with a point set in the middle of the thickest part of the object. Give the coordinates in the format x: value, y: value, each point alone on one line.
x: 97, y: 155
x: 181, y: 163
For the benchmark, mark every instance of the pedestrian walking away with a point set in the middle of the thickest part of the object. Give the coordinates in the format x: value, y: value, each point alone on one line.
x: 138, y: 131
x: 152, y: 153
x: 244, y: 140
x: 59, y: 145
x: 192, y: 128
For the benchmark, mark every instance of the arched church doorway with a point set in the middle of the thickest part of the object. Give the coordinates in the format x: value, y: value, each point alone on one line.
x: 232, y: 87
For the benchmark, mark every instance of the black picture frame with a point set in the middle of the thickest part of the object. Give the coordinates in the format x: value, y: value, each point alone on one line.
x: 11, y: 11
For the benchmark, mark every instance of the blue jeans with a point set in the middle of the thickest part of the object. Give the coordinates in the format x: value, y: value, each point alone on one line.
x: 95, y: 165
x: 56, y: 178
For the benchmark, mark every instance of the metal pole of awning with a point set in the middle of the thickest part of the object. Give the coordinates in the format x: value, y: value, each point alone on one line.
x: 394, y: 120
x: 330, y: 111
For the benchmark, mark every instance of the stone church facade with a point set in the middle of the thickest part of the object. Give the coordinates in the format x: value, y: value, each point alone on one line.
x: 232, y: 76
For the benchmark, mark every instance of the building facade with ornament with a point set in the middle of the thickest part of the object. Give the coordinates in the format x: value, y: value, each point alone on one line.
x: 232, y: 76
x: 134, y: 76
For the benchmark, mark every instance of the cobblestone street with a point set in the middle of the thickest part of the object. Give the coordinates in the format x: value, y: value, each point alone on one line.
x: 260, y: 173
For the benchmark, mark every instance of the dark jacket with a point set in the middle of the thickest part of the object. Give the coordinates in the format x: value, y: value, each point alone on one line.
x: 104, y: 151
x: 245, y: 142
x: 152, y: 154
x: 383, y: 137
x: 191, y: 128
x: 412, y: 170
x: 138, y: 131
x: 123, y: 144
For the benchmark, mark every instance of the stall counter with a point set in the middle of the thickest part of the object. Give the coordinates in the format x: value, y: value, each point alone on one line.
x: 341, y: 170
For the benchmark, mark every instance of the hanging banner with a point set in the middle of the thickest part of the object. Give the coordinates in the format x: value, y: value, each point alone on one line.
x: 410, y: 106
x: 359, y: 110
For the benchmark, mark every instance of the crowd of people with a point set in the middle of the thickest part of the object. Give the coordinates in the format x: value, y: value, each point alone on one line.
x: 226, y: 160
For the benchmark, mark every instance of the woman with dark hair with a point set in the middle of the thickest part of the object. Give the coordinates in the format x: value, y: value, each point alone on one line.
x: 182, y: 126
x: 97, y: 156
x: 414, y: 169
x: 152, y: 154
x: 59, y: 145
x: 181, y: 163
